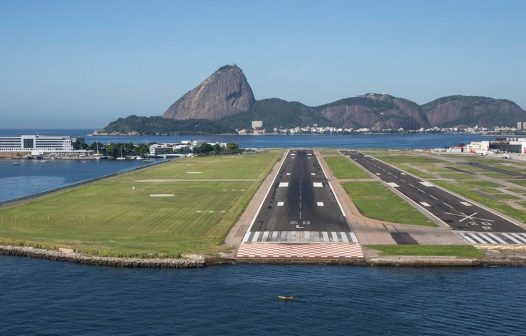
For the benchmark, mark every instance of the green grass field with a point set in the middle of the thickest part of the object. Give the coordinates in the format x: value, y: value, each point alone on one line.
x: 329, y: 151
x: 374, y: 200
x: 462, y: 251
x: 344, y: 168
x: 119, y: 217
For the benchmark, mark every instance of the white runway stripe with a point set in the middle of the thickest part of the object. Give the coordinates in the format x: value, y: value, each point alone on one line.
x: 477, y: 239
x: 300, y: 237
x: 466, y: 237
x: 519, y: 236
x: 499, y: 238
x: 494, y: 236
x: 485, y: 238
x: 513, y: 239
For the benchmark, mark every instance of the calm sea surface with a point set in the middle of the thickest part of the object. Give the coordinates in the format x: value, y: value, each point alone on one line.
x: 39, y: 297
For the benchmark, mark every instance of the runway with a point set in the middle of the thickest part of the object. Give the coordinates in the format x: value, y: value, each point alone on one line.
x: 300, y: 216
x: 459, y: 214
x: 300, y: 199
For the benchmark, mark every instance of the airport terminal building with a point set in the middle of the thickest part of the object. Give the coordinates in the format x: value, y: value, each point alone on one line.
x: 36, y: 144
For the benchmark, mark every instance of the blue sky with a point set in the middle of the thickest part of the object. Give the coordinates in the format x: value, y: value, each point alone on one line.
x: 85, y: 63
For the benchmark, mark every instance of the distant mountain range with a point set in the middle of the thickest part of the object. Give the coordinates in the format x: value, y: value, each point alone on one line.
x: 224, y: 102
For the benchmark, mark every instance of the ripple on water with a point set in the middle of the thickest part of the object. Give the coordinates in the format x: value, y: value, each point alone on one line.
x: 47, y: 297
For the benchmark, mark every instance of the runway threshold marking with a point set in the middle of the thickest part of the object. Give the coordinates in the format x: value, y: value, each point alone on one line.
x: 496, y: 238
x: 317, y: 185
x: 465, y: 203
x: 280, y: 204
x: 320, y: 204
x: 283, y: 184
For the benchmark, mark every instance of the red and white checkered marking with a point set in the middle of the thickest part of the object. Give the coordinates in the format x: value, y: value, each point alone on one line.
x: 276, y: 250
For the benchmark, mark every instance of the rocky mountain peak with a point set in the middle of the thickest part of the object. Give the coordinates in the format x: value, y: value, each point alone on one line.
x: 224, y: 93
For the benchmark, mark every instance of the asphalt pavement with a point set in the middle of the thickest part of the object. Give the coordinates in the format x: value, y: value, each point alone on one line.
x: 458, y: 213
x: 301, y: 201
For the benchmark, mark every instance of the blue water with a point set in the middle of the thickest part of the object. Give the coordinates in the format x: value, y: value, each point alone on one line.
x: 33, y: 176
x: 39, y: 297
x: 51, y: 298
x: 265, y: 141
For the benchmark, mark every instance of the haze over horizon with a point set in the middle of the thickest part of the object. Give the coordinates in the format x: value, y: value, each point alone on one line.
x: 83, y: 64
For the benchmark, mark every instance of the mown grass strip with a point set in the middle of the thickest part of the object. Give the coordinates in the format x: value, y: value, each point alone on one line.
x: 344, y: 168
x: 461, y: 251
x: 374, y: 200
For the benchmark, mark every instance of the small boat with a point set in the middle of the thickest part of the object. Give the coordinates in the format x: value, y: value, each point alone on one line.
x: 16, y: 164
x: 286, y: 298
x: 121, y: 157
x: 139, y: 158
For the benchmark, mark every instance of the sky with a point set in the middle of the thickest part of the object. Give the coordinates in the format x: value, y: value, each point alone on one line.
x: 82, y: 64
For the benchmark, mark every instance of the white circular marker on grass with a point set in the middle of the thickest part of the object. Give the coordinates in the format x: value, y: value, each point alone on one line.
x: 162, y: 195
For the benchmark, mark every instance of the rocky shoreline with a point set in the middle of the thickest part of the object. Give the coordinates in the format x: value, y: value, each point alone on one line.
x: 191, y: 261
x: 195, y: 261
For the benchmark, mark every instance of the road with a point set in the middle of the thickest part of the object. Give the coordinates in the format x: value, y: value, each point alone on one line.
x: 459, y: 214
x: 300, y: 206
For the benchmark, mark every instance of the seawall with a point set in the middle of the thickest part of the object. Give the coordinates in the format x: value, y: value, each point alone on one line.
x: 22, y: 251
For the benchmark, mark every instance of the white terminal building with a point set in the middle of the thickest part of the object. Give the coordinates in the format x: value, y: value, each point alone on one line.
x: 37, y: 144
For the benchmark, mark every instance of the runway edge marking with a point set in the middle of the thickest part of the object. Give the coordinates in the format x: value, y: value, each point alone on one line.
x: 266, y: 194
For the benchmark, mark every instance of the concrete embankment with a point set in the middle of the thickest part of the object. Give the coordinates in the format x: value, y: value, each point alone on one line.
x: 192, y: 261
x: 417, y: 261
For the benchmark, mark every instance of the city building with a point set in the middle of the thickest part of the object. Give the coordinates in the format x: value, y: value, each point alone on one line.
x: 478, y: 147
x: 37, y: 144
x: 160, y: 149
x: 257, y: 127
